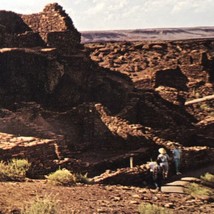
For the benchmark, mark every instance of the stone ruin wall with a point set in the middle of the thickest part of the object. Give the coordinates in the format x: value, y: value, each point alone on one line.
x: 55, y: 27
x: 52, y: 27
x: 15, y: 33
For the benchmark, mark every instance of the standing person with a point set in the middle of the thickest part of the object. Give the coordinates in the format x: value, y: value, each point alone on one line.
x: 176, y: 152
x: 163, y: 161
x: 156, y: 175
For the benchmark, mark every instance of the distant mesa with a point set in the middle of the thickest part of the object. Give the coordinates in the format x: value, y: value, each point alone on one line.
x: 147, y: 34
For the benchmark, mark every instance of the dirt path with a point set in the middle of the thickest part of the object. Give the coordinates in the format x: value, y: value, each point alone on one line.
x: 177, y: 183
x: 194, y: 172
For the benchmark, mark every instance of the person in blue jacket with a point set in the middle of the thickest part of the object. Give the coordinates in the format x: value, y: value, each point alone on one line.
x: 176, y: 152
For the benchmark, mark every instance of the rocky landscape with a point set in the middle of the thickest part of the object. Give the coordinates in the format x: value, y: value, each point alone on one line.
x: 90, y: 107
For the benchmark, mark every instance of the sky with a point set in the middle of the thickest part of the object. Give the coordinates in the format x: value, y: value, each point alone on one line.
x: 125, y: 14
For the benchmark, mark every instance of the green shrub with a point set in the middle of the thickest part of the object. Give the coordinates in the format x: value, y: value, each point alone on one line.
x: 197, y: 190
x: 61, y: 177
x: 14, y: 170
x: 205, y: 107
x: 208, y: 177
x: 45, y: 205
x: 146, y: 208
x: 83, y: 178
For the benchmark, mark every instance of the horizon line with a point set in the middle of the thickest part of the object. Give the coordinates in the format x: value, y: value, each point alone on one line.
x: 149, y: 28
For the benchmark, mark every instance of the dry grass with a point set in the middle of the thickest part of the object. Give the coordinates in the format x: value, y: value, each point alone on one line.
x: 208, y: 177
x: 14, y: 170
x: 147, y: 208
x: 46, y: 205
x: 198, y: 191
x: 61, y: 177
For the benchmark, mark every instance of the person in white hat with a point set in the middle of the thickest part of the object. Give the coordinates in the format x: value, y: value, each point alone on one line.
x: 163, y: 160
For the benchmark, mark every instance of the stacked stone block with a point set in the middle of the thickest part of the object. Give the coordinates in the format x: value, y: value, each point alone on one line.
x: 55, y: 27
x: 52, y: 27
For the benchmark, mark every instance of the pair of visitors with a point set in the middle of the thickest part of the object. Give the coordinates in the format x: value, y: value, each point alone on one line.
x: 163, y: 158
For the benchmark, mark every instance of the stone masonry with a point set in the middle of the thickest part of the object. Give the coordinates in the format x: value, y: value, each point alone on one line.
x: 55, y: 27
x: 52, y: 27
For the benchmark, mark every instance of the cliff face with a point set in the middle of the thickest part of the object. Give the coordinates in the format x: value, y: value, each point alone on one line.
x: 102, y: 96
